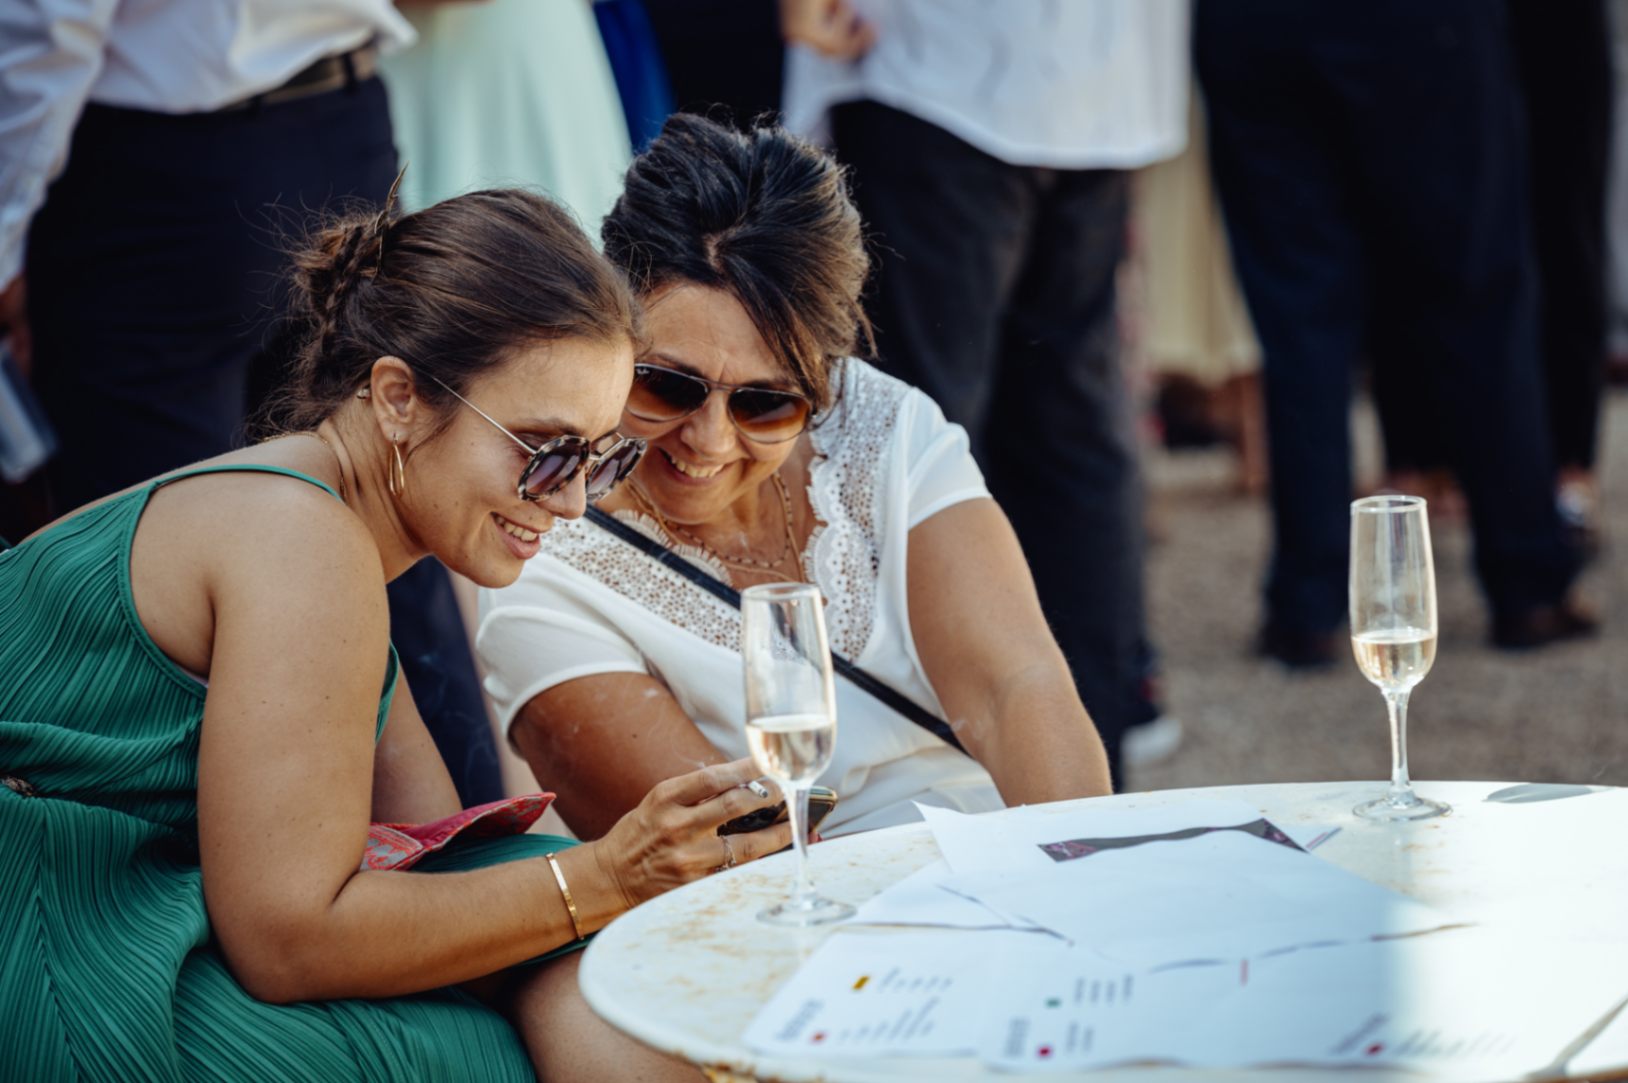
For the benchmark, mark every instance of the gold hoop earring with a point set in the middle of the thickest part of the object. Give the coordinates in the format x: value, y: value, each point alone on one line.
x: 398, y: 468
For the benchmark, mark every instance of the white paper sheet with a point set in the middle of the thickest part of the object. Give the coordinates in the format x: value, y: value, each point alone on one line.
x: 1462, y: 1004
x: 1459, y: 1004
x: 869, y: 994
x: 1223, y: 896
x: 1010, y: 841
x: 921, y: 900
x: 1466, y: 1002
x: 1073, y: 1009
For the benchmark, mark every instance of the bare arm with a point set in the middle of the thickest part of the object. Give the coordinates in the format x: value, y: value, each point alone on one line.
x: 287, y: 780
x: 52, y: 59
x: 602, y: 742
x: 992, y: 660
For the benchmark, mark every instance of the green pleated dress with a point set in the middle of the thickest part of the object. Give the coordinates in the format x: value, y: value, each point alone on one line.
x: 107, y: 968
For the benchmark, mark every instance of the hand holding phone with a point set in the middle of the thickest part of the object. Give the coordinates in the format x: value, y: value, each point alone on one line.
x: 821, y: 800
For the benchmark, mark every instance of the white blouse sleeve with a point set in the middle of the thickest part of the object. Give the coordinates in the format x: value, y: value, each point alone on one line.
x: 544, y: 630
x: 940, y: 470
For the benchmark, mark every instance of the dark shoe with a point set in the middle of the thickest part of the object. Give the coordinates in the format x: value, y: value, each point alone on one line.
x: 1299, y: 650
x: 1542, y: 625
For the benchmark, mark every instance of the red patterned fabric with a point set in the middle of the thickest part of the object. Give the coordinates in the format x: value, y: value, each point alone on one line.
x: 400, y: 846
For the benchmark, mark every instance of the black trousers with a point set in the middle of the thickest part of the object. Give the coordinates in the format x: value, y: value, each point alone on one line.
x: 152, y: 272
x: 1562, y: 56
x: 1369, y: 161
x: 995, y: 295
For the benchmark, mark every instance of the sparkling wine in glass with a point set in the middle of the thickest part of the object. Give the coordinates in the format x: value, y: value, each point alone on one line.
x: 791, y: 720
x: 1393, y: 628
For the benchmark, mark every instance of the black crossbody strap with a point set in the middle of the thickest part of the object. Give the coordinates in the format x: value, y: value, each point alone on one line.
x: 889, y: 696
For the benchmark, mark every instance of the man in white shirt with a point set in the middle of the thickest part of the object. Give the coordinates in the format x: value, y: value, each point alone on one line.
x: 141, y: 146
x: 989, y: 146
x: 155, y: 157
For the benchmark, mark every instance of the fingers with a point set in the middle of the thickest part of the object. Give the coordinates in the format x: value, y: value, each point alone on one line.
x: 770, y: 840
x: 736, y: 801
x: 830, y: 27
x: 698, y: 786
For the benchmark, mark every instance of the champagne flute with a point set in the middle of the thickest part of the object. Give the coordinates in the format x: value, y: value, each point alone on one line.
x: 791, y: 719
x: 1393, y: 628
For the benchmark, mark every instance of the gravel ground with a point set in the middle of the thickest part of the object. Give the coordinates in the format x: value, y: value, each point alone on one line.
x: 1557, y: 714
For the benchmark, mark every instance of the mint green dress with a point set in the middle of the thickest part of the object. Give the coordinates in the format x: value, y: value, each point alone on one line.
x: 508, y: 92
x: 107, y: 968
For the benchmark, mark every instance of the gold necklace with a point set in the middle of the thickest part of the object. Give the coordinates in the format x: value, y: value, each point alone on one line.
x: 678, y: 533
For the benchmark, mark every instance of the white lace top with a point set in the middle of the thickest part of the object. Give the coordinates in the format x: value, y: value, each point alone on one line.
x: 885, y: 460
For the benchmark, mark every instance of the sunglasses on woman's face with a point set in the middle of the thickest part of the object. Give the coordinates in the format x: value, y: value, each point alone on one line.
x: 557, y: 463
x: 760, y: 414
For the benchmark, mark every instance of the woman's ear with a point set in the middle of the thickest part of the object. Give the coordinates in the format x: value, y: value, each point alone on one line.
x: 394, y: 396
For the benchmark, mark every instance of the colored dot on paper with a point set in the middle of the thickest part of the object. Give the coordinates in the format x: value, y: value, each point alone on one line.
x: 1044, y: 1051
x: 1375, y: 1049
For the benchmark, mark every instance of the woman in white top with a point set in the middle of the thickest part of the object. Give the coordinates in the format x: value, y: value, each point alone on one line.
x: 775, y: 456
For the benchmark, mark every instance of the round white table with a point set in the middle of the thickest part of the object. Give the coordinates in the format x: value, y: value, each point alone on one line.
x: 686, y: 972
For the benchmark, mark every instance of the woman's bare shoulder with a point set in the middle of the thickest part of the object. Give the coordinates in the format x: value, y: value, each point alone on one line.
x: 217, y: 544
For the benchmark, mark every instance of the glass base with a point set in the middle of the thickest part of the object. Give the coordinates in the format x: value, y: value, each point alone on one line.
x: 814, y: 910
x: 1393, y: 809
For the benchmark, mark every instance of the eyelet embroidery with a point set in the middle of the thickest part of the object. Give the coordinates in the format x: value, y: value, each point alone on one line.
x: 844, y: 553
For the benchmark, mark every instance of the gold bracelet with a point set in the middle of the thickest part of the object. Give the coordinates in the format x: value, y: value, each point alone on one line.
x: 565, y: 893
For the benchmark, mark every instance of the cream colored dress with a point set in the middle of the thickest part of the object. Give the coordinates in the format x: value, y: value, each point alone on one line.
x: 508, y: 92
x: 1193, y: 318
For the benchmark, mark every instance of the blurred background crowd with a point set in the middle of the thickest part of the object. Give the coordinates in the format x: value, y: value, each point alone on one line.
x: 1192, y: 275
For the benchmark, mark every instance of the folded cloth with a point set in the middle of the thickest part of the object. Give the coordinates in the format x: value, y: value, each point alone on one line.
x: 401, y: 846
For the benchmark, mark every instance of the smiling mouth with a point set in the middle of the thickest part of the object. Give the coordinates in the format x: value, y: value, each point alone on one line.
x: 516, y: 529
x: 700, y: 473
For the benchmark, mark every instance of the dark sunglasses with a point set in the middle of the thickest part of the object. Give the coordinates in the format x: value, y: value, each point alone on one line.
x: 761, y: 414
x: 557, y: 463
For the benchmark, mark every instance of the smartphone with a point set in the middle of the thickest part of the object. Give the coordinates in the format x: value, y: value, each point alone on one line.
x: 821, y: 801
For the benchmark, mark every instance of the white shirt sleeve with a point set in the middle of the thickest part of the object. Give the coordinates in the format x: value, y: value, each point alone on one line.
x: 940, y: 470
x: 50, y: 54
x: 544, y: 630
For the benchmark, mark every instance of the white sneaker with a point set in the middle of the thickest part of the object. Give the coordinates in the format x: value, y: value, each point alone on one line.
x: 1150, y: 742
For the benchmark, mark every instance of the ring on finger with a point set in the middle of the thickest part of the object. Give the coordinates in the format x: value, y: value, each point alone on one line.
x: 729, y: 854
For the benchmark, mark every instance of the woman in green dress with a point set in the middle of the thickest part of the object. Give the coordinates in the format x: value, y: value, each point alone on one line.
x: 199, y: 718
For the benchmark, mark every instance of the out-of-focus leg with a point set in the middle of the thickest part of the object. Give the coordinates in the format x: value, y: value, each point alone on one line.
x: 567, y: 1041
x: 1061, y: 443
x: 1281, y: 165
x: 1450, y: 226
x: 1563, y: 61
x: 948, y: 225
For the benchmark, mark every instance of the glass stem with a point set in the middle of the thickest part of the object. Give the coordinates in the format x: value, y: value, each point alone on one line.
x: 797, y: 807
x: 1396, y: 704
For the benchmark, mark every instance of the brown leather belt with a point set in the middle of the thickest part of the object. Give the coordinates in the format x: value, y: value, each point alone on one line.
x: 324, y: 76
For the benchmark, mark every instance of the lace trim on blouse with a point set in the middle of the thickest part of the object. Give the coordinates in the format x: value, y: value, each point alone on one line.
x: 843, y: 555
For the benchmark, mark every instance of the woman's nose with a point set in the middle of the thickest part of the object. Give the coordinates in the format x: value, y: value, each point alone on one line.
x: 570, y: 502
x: 709, y: 431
